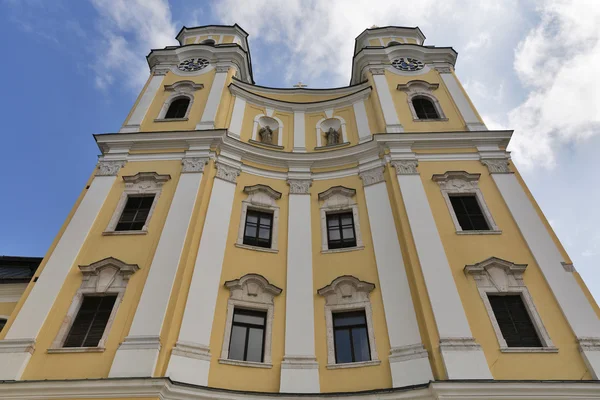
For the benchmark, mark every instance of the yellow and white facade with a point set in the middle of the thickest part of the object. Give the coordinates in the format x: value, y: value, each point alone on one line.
x: 422, y: 281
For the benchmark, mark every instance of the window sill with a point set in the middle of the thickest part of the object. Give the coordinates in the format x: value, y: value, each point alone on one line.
x: 478, y: 232
x: 256, y: 248
x: 76, y: 350
x: 170, y: 119
x: 240, y: 363
x: 119, y: 233
x: 332, y: 146
x: 529, y: 349
x: 342, y: 250
x: 272, y: 146
x: 430, y: 120
x: 354, y: 364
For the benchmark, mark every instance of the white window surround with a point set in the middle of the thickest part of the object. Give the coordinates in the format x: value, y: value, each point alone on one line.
x: 420, y: 88
x: 107, y: 276
x: 260, y: 198
x: 463, y: 183
x: 335, y: 200
x: 262, y: 120
x: 323, y: 126
x: 500, y: 277
x: 142, y: 183
x: 347, y: 293
x: 181, y: 89
x: 250, y: 292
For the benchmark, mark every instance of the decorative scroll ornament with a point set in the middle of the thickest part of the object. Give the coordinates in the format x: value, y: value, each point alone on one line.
x: 299, y: 186
x: 406, y: 167
x: 227, y: 172
x: 193, y: 164
x: 498, y: 166
x: 109, y: 168
x: 372, y: 176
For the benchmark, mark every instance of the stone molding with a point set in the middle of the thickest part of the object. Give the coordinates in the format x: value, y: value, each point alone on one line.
x: 299, y: 186
x: 409, y: 352
x: 191, y: 350
x: 569, y: 267
x: 405, y: 167
x: 17, y: 346
x: 497, y: 166
x: 109, y: 168
x: 372, y: 176
x: 459, y: 344
x: 222, y: 68
x: 227, y: 172
x: 299, y: 362
x: 255, y: 190
x: 377, y: 71
x: 443, y: 70
x: 193, y: 164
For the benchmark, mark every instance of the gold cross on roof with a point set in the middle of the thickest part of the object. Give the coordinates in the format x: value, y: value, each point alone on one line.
x: 300, y: 85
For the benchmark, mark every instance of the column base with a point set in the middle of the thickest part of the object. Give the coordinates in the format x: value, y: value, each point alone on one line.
x: 299, y: 374
x: 464, y: 359
x: 394, y: 128
x: 410, y: 365
x: 136, y: 357
x: 14, y: 356
x: 189, y: 363
x: 205, y: 125
x: 590, y: 350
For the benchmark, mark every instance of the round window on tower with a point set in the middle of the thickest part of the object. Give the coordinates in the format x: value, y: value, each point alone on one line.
x: 193, y: 64
x: 407, y: 64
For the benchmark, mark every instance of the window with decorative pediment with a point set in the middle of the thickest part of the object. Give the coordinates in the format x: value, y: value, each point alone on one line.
x: 465, y: 202
x: 423, y: 104
x: 94, y: 307
x: 249, y: 322
x: 340, y: 225
x: 259, y: 221
x: 511, y: 309
x: 137, y: 203
x: 349, y: 323
x: 178, y: 105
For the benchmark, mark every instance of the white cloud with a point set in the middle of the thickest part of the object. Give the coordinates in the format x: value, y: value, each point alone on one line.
x: 129, y: 29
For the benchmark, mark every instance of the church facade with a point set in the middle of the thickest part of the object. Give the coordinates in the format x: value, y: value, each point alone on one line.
x: 237, y: 241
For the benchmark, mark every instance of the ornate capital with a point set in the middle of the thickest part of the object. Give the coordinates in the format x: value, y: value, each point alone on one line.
x: 222, y: 68
x: 161, y: 69
x: 109, y: 168
x: 497, y: 166
x: 377, y: 71
x: 443, y: 70
x: 227, y: 172
x: 405, y: 167
x: 193, y: 164
x: 299, y: 186
x: 371, y: 176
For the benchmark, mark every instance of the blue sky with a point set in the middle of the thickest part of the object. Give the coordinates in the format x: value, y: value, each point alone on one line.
x: 74, y: 68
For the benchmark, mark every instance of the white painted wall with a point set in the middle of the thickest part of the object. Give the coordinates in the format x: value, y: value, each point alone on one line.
x: 133, y: 124
x: 237, y: 117
x: 299, y: 132
x: 467, y: 112
x: 390, y: 116
x: 362, y: 122
x: 212, y: 103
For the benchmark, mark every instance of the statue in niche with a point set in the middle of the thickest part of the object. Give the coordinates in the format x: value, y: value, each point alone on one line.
x: 333, y: 136
x: 266, y: 134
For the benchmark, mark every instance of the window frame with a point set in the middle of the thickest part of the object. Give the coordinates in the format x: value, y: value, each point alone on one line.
x: 350, y: 329
x: 420, y: 88
x: 261, y: 198
x: 180, y: 89
x: 106, y: 327
x: 260, y: 214
x: 140, y: 184
x: 329, y: 215
x: 500, y: 277
x: 339, y: 199
x: 345, y: 294
x: 174, y: 100
x: 109, y: 276
x: 250, y: 292
x: 460, y: 183
x: 247, y: 326
x: 428, y: 99
x: 520, y: 296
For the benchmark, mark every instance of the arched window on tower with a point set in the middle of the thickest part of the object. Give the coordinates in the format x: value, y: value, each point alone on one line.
x: 425, y: 108
x: 178, y: 108
x: 209, y: 42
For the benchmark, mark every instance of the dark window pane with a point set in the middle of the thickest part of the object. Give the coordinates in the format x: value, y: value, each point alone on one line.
x: 90, y: 322
x: 514, y: 321
x: 468, y: 213
x: 334, y: 235
x: 360, y: 343
x: 178, y: 108
x: 425, y: 108
x: 343, y: 347
x: 257, y: 230
x: 237, y: 342
x: 249, y: 317
x: 348, y: 233
x: 349, y: 318
x: 252, y: 218
x: 255, y: 345
x: 135, y: 213
x: 340, y: 230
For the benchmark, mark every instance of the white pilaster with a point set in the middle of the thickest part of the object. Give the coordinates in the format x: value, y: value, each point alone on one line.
x: 392, y: 123
x: 408, y: 358
x: 463, y: 357
x: 299, y: 369
x: 190, y: 358
x: 575, y: 306
x: 137, y: 116
x: 299, y: 132
x: 362, y: 122
x: 214, y: 99
x: 19, y: 343
x: 138, y: 353
x: 237, y: 117
x: 465, y: 108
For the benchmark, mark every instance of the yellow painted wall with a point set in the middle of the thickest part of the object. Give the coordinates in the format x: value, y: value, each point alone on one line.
x: 299, y: 98
x: 252, y: 111
x: 6, y: 309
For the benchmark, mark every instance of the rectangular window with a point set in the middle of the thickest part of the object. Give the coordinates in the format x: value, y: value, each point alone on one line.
x: 514, y: 321
x: 89, y: 325
x: 469, y: 214
x: 257, y: 231
x: 247, y: 340
x: 135, y: 213
x: 350, y: 337
x: 340, y: 230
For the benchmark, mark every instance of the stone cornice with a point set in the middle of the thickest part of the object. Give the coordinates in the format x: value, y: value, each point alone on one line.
x: 317, y: 106
x: 264, y: 90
